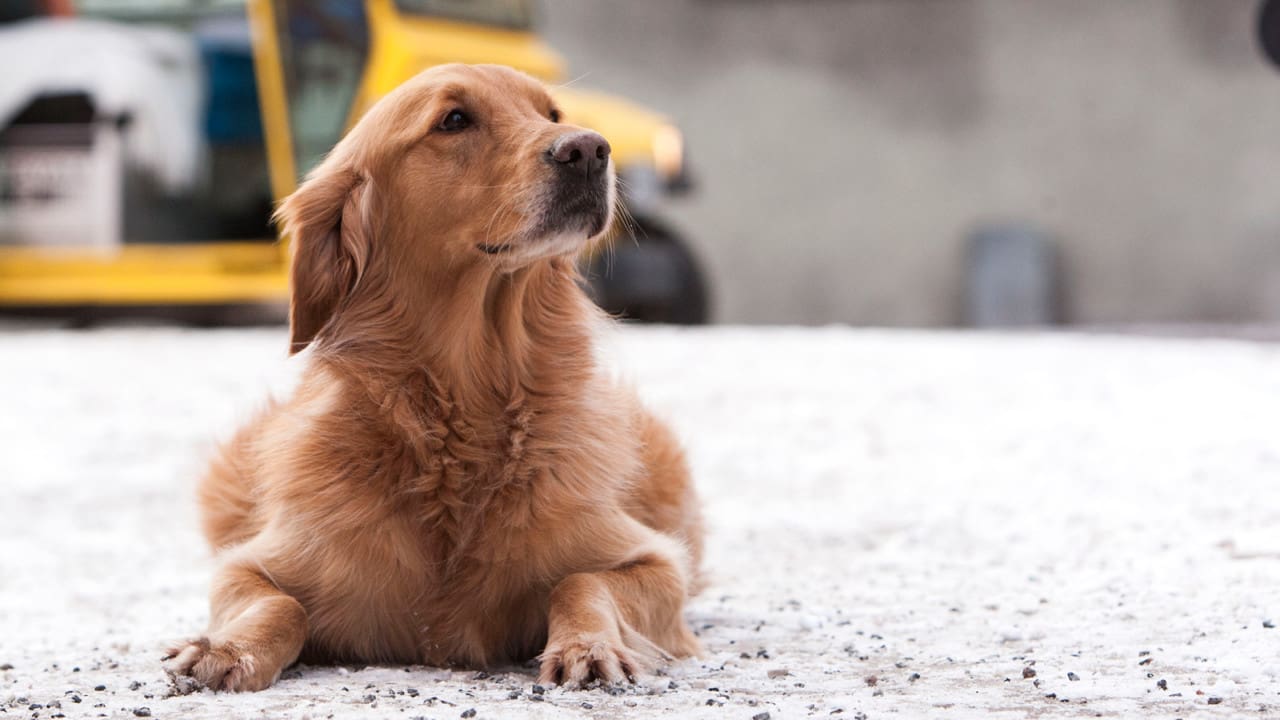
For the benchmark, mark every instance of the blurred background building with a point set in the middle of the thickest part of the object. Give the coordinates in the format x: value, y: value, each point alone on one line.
x: 872, y: 162
x: 846, y: 151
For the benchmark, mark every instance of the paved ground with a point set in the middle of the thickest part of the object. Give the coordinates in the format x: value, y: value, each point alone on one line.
x: 903, y: 525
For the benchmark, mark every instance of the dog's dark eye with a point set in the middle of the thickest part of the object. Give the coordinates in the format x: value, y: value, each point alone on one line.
x: 555, y: 115
x: 456, y: 120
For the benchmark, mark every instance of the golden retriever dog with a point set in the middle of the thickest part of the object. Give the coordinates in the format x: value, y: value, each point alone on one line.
x: 454, y: 481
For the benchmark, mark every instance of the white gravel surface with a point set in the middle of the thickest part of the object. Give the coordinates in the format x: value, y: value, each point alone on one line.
x: 902, y: 525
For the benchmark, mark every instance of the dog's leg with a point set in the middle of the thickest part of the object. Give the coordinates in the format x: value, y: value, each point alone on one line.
x: 616, y: 624
x: 255, y: 631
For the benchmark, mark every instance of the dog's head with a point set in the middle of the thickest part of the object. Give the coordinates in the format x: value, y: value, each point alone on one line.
x: 462, y: 166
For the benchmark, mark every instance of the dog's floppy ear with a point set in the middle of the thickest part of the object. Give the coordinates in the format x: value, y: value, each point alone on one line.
x: 327, y: 222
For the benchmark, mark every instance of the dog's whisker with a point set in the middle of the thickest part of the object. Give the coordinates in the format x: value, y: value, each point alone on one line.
x: 507, y: 205
x: 583, y: 76
x: 488, y: 187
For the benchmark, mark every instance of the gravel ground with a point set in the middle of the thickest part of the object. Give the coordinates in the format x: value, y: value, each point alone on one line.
x: 903, y: 524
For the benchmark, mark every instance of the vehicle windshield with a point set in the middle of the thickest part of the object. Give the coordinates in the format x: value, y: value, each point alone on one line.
x: 324, y: 45
x: 511, y: 14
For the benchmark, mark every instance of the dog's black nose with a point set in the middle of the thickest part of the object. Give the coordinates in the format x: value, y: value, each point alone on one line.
x: 585, y: 152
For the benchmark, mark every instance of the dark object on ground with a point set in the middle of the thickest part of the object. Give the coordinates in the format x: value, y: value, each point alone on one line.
x: 649, y: 275
x: 1012, y: 277
x: 1028, y: 672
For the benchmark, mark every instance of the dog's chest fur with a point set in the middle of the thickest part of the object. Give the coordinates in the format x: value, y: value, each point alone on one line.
x: 471, y: 504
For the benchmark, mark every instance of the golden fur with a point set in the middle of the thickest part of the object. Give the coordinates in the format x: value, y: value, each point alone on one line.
x: 454, y: 481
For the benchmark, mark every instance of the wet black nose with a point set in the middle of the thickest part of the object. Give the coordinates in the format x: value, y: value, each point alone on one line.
x: 583, y: 152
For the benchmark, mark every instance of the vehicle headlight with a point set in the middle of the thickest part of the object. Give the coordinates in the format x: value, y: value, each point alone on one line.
x: 668, y: 152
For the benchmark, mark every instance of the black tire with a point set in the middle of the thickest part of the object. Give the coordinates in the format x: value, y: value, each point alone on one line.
x: 649, y: 276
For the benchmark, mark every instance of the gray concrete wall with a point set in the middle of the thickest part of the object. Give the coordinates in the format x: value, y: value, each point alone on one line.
x: 845, y: 149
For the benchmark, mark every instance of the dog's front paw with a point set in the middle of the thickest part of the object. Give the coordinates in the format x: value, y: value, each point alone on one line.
x: 577, y: 660
x: 218, y: 666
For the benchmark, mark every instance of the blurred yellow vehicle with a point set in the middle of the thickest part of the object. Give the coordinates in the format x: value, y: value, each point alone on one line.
x: 319, y: 64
